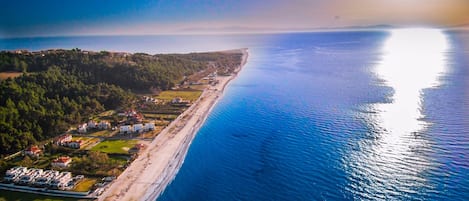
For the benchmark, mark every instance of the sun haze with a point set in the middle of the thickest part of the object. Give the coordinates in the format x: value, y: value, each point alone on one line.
x: 118, y: 17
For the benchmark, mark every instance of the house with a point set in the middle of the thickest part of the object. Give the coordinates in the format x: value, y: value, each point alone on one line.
x: 138, y: 128
x: 76, y: 144
x: 179, y: 100
x: 135, y: 118
x: 61, y: 162
x: 103, y: 125
x: 91, y: 124
x: 125, y: 129
x: 82, y: 128
x: 33, y: 151
x: 63, y: 139
x: 149, y: 127
x: 176, y: 100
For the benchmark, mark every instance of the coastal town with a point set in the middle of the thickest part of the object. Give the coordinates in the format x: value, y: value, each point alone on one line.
x: 90, y: 157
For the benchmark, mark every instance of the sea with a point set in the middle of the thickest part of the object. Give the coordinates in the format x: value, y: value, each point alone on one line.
x: 349, y: 115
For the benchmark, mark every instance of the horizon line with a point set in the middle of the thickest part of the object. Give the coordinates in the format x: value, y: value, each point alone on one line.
x: 257, y: 32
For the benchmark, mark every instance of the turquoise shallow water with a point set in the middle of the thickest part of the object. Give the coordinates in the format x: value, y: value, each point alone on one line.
x: 324, y: 116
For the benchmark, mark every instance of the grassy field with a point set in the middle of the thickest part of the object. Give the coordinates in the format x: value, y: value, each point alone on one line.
x: 107, y: 113
x: 18, y: 196
x: 115, y: 146
x: 160, y: 116
x: 103, y: 133
x: 85, y: 185
x: 5, y: 75
x: 87, y: 141
x: 186, y: 95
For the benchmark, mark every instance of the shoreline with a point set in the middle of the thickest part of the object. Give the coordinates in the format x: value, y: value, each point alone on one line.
x: 149, y: 175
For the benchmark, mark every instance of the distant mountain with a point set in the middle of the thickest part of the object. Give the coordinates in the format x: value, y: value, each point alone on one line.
x: 461, y: 26
x: 241, y: 29
x: 378, y: 26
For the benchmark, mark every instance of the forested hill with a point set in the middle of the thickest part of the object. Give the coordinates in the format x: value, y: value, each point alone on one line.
x: 60, y: 88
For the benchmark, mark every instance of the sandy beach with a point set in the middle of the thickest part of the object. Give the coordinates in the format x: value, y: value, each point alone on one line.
x: 157, y: 165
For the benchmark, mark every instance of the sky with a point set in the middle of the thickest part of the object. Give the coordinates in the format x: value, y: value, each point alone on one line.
x: 22, y: 18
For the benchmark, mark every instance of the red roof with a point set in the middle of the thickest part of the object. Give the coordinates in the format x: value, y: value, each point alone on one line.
x: 62, y: 159
x: 33, y: 149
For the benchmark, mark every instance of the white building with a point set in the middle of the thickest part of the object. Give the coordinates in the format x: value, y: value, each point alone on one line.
x: 82, y: 128
x: 76, y: 144
x: 33, y: 151
x: 125, y: 129
x: 61, y: 162
x: 103, y: 125
x: 138, y: 128
x: 91, y: 124
x: 149, y: 127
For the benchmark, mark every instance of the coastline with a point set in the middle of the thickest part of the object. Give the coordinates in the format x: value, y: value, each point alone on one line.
x: 155, y: 168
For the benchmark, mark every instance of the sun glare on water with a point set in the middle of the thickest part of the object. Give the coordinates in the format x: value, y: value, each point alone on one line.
x: 413, y: 60
x: 390, y: 163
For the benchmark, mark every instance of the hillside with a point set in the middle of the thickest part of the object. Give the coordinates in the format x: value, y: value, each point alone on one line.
x: 60, y: 88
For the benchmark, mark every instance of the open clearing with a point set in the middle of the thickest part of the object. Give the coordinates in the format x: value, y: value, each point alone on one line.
x: 6, y: 75
x: 186, y: 95
x: 115, y: 146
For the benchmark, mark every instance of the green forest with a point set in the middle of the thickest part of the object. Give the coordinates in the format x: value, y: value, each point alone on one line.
x: 61, y: 88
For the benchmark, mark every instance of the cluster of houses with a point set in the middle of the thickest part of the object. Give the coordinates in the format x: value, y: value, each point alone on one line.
x: 136, y: 128
x: 212, y: 78
x: 66, y: 141
x: 149, y: 99
x: 40, y: 178
x: 61, y: 162
x: 133, y: 116
x: 102, y: 125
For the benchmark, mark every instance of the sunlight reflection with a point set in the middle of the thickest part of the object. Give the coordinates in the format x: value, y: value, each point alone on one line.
x: 390, y: 164
x: 413, y: 60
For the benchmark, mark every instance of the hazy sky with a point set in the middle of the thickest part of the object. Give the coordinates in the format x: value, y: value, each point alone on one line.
x: 21, y: 18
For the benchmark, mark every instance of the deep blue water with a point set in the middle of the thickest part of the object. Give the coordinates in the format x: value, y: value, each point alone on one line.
x: 324, y: 116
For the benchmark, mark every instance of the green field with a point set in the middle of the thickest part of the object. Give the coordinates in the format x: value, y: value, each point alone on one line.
x: 107, y: 113
x: 18, y: 196
x: 161, y: 116
x: 103, y: 133
x: 85, y: 185
x: 115, y: 146
x: 186, y: 95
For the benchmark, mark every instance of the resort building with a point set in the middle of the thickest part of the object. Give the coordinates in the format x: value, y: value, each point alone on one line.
x: 13, y: 173
x: 61, y: 181
x: 61, y: 162
x: 138, y: 128
x: 149, y: 127
x: 37, y: 177
x: 125, y: 129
